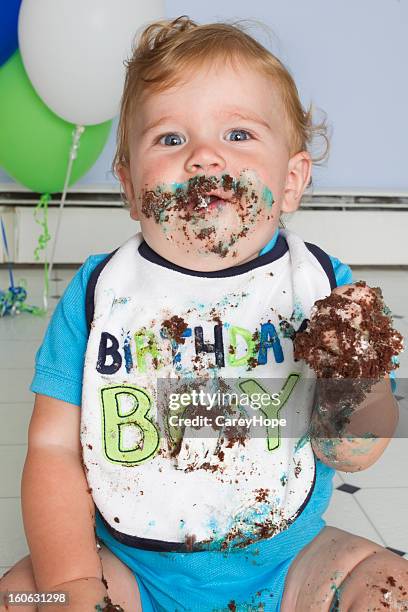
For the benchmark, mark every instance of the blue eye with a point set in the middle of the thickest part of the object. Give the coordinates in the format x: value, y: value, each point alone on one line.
x: 172, y: 134
x: 241, y: 132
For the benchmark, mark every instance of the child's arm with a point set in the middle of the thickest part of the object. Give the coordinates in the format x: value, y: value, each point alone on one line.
x: 58, y: 511
x: 377, y: 414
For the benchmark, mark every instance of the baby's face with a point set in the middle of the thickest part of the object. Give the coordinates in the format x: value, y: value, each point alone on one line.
x: 222, y: 131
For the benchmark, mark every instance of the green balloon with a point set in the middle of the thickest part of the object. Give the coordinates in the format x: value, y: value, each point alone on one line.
x: 35, y: 142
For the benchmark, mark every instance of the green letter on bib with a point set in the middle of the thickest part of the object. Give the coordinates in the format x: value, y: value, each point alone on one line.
x: 235, y: 331
x: 270, y: 410
x: 114, y: 422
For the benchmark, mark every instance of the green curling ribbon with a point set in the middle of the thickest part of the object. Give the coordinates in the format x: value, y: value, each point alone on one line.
x: 44, y: 237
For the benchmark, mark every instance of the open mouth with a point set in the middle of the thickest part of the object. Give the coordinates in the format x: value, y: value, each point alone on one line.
x: 210, y: 203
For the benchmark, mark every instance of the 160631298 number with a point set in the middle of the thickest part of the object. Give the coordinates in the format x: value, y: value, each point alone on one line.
x: 19, y: 598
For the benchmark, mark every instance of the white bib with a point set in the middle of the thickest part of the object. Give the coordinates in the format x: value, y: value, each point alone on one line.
x: 162, y: 482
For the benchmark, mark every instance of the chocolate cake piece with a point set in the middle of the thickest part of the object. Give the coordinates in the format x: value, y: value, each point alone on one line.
x: 349, y: 342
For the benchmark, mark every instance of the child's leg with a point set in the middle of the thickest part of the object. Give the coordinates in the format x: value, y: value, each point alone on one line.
x: 339, y: 571
x: 122, y: 585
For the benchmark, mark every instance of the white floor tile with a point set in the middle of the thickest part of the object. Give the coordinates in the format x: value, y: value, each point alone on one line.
x: 337, y: 480
x: 402, y: 427
x: 35, y: 291
x: 24, y: 326
x: 12, y: 460
x: 15, y: 419
x: 388, y: 471
x: 18, y: 353
x: 344, y: 513
x: 34, y: 276
x: 13, y: 543
x: 14, y: 385
x: 388, y: 511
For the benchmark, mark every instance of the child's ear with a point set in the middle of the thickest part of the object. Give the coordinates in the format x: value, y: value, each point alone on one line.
x: 298, y: 177
x: 126, y: 181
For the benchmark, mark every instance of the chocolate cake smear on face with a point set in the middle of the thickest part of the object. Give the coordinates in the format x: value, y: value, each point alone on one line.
x: 198, y: 206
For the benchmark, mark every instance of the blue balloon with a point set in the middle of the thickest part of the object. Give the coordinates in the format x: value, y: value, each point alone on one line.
x: 9, y: 10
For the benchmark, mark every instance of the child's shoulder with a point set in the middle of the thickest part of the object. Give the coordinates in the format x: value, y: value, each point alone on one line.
x: 90, y: 264
x: 342, y: 271
x: 338, y: 272
x: 80, y: 280
x: 76, y: 289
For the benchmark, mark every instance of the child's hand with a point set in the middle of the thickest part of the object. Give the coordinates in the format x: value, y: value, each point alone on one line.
x: 349, y: 343
x: 350, y: 335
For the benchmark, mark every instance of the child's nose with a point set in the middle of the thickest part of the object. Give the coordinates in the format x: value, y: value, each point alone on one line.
x: 202, y: 167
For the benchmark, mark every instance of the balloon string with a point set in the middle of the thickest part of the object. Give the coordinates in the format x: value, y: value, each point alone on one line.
x: 76, y: 135
x: 42, y: 206
x: 9, y: 264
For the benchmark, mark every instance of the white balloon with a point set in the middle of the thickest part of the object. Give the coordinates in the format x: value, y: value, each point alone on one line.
x: 73, y: 52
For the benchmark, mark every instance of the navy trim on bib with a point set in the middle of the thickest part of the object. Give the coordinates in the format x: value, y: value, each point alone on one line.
x: 280, y: 248
x: 145, y: 543
x: 325, y: 261
x: 90, y: 289
x: 275, y: 253
x: 163, y: 546
x: 309, y: 495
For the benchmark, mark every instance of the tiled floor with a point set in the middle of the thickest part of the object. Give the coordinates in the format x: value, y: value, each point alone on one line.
x: 372, y: 503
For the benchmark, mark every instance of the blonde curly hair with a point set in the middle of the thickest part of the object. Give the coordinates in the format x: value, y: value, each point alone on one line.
x: 169, y: 48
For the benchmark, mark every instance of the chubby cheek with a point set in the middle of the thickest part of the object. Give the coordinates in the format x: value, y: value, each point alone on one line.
x: 275, y: 177
x: 151, y: 170
x: 151, y: 232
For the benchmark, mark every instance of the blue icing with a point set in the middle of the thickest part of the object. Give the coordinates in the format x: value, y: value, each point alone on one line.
x: 298, y: 314
x: 267, y: 196
x: 186, y: 373
x: 301, y: 442
x: 175, y: 186
x: 127, y: 351
x: 213, y: 525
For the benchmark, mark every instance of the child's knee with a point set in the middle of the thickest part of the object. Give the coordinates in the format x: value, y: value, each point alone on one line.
x: 18, y: 578
x: 381, y: 579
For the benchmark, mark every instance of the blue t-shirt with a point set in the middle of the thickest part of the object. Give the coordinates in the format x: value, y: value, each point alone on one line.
x: 59, y: 361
